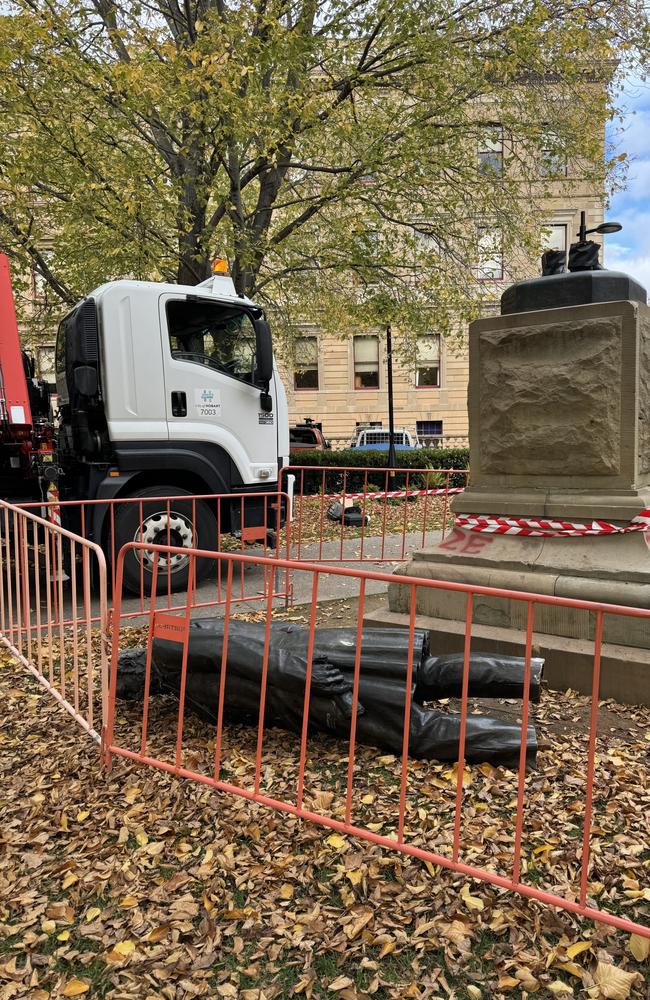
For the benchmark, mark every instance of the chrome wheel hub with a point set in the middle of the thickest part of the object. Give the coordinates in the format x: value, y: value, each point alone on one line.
x: 165, y: 528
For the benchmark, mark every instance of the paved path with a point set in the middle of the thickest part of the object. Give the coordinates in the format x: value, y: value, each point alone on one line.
x: 330, y: 587
x: 211, y: 592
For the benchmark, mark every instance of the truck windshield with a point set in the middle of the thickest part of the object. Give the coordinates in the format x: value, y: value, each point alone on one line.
x: 212, y: 334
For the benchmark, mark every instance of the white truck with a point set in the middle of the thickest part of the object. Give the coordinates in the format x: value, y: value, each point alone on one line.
x: 168, y: 390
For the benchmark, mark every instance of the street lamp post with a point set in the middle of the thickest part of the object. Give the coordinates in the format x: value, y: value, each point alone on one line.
x: 603, y: 229
x: 391, y: 412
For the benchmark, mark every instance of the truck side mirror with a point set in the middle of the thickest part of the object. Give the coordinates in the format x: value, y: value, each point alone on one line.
x: 263, y: 352
x: 85, y: 380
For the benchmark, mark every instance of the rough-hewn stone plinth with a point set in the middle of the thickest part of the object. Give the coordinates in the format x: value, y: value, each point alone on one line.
x: 559, y: 408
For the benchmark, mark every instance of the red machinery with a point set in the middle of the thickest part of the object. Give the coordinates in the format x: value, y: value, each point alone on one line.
x: 26, y: 433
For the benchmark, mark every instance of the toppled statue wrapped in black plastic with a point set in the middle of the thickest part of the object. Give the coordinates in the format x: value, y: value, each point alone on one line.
x: 434, y: 734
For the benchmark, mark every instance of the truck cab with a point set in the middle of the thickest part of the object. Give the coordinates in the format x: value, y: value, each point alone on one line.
x: 167, y: 390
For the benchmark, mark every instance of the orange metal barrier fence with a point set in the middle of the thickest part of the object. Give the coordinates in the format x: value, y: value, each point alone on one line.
x: 382, y: 515
x: 414, y: 807
x: 54, y: 612
x: 57, y: 586
x: 185, y: 520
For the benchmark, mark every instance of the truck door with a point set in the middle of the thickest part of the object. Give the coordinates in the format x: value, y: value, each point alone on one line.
x: 208, y: 349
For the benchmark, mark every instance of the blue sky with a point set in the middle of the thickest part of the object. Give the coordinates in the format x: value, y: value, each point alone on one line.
x: 629, y: 251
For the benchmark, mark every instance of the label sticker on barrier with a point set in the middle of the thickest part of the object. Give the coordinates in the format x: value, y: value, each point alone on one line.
x: 172, y: 628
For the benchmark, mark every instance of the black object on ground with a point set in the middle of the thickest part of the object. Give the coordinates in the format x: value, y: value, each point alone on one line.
x: 433, y: 734
x: 351, y: 515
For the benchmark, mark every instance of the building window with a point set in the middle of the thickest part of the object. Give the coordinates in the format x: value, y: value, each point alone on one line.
x: 305, y: 374
x: 366, y: 362
x: 490, y: 150
x: 429, y: 428
x: 427, y: 372
x: 426, y: 240
x: 553, y: 161
x: 554, y: 237
x: 40, y: 286
x: 490, y: 253
x: 45, y: 362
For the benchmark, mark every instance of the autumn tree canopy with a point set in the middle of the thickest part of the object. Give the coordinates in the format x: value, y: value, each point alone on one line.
x: 328, y: 149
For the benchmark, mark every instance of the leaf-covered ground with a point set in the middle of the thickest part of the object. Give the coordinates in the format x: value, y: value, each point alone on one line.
x: 389, y: 517
x: 138, y: 884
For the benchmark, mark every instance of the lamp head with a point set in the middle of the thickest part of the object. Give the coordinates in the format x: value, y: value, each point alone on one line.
x: 607, y: 227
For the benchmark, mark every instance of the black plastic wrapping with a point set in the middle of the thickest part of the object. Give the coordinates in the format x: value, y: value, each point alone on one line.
x: 584, y: 256
x: 489, y: 677
x: 382, y: 690
x: 353, y: 516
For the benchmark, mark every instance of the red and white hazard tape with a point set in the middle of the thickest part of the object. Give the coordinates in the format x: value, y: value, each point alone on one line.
x: 548, y: 528
x: 54, y: 510
x: 391, y: 494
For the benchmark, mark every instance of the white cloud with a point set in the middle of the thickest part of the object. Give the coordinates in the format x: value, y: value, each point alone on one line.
x: 636, y: 266
x: 639, y: 177
x: 631, y: 135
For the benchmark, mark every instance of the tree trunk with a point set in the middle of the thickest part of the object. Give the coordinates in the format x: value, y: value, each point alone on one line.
x: 190, y: 270
x: 194, y: 263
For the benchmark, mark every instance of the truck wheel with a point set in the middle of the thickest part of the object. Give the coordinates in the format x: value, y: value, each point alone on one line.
x: 164, y: 523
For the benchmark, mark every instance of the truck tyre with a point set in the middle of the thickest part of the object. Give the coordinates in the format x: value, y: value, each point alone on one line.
x: 164, y: 522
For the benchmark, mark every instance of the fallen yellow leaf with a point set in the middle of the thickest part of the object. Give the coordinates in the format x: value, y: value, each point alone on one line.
x: 153, y: 850
x: 527, y: 980
x: 578, y: 948
x: 82, y: 815
x: 571, y: 968
x: 63, y: 936
x: 158, y: 933
x: 472, y: 902
x: 93, y: 912
x: 640, y: 947
x: 69, y: 880
x: 128, y: 902
x: 473, y: 992
x: 304, y: 984
x: 124, y: 948
x: 354, y: 876
x: 340, y: 983
x: 558, y: 988
x: 614, y: 983
x: 75, y: 988
x: 356, y: 925
x: 48, y: 926
x: 286, y: 891
x: 323, y: 800
x: 337, y: 841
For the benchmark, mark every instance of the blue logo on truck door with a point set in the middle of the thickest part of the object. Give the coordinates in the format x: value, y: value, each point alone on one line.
x: 207, y: 402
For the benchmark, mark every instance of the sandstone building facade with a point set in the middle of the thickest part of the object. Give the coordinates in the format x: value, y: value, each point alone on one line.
x: 342, y: 382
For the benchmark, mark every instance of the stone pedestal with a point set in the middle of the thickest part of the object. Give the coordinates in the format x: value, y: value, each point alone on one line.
x: 559, y: 410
